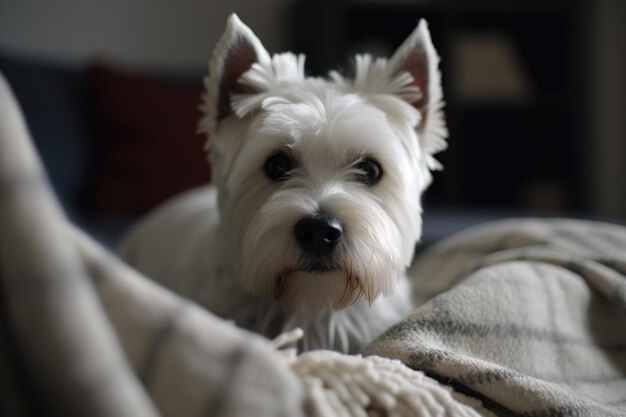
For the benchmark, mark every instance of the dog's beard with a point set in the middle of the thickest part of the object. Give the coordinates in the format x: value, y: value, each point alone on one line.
x: 303, y: 289
x: 366, y: 264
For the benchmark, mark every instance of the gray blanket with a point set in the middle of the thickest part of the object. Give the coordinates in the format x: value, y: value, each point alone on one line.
x: 517, y: 318
x: 530, y: 318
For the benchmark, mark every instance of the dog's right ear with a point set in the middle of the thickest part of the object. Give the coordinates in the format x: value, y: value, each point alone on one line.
x: 235, y: 53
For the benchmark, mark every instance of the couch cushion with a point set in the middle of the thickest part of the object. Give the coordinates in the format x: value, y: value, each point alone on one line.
x: 148, y: 148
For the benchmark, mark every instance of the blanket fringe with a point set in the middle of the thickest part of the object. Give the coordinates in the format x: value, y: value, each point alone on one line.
x: 337, y: 384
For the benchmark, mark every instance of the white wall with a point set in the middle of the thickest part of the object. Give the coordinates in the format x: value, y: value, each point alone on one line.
x: 165, y: 34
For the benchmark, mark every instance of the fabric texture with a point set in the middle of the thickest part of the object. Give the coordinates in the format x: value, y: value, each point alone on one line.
x: 149, y: 147
x: 84, y: 335
x: 519, y: 318
x: 530, y: 318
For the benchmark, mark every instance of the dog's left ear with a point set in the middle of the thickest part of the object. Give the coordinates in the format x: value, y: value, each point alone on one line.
x: 418, y: 57
x: 236, y: 52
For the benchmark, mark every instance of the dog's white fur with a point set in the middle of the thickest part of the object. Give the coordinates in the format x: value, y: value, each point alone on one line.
x: 234, y: 251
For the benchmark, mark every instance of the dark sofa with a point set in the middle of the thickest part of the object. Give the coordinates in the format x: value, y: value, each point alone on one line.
x: 114, y: 142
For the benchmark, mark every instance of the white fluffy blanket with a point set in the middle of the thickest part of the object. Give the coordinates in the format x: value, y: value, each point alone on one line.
x: 518, y: 318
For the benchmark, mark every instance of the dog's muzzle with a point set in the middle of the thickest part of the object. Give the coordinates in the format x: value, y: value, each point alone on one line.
x: 318, y: 237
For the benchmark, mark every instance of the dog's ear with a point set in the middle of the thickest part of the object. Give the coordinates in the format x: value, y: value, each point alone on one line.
x: 418, y: 57
x: 235, y: 53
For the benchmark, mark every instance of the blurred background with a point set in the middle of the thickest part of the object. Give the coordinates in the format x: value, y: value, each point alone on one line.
x: 535, y: 93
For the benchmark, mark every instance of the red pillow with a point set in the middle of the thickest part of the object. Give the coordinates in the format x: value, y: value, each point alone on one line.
x: 147, y: 146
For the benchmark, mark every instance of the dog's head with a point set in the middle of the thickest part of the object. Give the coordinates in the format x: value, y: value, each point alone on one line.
x: 320, y: 179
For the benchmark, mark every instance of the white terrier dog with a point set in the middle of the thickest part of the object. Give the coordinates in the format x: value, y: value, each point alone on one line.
x: 316, y: 209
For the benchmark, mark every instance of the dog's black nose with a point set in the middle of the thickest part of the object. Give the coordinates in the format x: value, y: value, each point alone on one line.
x: 318, y: 235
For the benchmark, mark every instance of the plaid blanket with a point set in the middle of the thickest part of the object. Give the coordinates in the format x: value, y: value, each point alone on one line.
x: 517, y: 318
x: 530, y: 318
x: 82, y: 334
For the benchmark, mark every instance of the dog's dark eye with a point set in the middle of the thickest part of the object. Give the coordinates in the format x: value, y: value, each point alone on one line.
x: 371, y: 172
x: 278, y: 166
